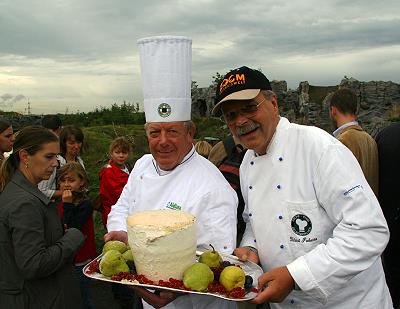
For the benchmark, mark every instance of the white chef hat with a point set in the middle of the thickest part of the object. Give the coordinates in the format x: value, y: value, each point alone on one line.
x: 166, y: 66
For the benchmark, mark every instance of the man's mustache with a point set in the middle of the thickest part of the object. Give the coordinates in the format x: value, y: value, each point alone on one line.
x: 246, y: 129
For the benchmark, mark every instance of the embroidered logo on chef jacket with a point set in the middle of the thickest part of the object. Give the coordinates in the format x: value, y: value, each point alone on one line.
x: 173, y: 206
x: 164, y: 110
x: 301, y: 224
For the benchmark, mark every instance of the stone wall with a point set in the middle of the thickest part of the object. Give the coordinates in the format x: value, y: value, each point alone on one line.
x: 376, y: 100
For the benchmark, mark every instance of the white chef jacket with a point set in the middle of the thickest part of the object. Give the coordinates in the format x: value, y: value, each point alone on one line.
x: 309, y: 207
x: 195, y: 186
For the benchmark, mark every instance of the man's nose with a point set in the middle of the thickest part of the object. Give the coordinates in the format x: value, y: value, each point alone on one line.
x: 240, y: 119
x: 163, y: 138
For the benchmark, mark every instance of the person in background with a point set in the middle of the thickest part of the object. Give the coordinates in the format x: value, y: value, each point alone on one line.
x: 75, y: 211
x: 311, y: 218
x: 6, y: 137
x: 71, y: 140
x: 343, y: 112
x: 53, y: 123
x: 49, y: 186
x: 203, y: 148
x: 35, y: 253
x: 168, y: 178
x: 388, y: 141
x: 113, y: 177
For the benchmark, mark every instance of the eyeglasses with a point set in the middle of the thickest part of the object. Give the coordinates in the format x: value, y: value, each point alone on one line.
x: 248, y: 111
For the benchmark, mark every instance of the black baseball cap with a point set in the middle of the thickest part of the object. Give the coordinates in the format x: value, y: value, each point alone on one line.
x: 240, y: 84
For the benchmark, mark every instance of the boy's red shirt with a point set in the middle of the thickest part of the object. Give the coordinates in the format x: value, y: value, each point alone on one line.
x: 112, y: 182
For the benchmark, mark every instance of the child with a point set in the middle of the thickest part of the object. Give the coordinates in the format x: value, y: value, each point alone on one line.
x: 75, y: 210
x: 113, y: 178
x: 114, y: 175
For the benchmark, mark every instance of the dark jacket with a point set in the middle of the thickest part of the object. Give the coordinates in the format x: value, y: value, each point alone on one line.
x: 35, y: 255
x: 80, y: 217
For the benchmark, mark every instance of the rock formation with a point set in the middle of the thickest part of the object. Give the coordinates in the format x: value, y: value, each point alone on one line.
x: 377, y: 99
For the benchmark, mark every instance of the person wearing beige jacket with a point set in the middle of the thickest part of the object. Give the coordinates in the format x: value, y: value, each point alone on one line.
x: 343, y: 112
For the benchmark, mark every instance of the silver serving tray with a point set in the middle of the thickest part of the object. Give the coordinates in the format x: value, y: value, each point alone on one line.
x: 248, y: 267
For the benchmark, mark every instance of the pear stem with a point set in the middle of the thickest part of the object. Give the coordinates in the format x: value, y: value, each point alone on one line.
x: 212, y: 247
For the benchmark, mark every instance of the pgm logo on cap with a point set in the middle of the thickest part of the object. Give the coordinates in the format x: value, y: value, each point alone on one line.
x: 233, y: 79
x: 164, y: 110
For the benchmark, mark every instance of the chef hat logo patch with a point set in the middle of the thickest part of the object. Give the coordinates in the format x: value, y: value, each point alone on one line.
x: 164, y: 110
x: 301, y: 225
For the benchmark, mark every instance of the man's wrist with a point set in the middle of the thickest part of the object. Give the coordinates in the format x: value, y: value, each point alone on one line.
x: 252, y: 249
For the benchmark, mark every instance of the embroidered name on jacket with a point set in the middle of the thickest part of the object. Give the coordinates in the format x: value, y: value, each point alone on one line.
x: 352, y: 189
x: 173, y: 206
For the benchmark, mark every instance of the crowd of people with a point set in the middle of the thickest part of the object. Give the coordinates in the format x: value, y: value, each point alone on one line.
x: 310, y: 203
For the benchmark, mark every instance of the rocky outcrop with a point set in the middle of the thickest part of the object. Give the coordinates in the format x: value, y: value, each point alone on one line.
x: 376, y: 101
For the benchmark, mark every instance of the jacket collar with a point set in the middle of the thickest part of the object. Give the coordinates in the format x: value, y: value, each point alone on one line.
x: 20, y: 180
x: 279, y: 134
x: 339, y: 130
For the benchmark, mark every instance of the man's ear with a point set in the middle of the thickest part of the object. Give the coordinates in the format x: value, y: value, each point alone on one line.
x: 333, y: 111
x: 192, y: 130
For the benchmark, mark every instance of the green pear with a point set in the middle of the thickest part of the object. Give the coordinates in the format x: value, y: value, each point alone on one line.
x: 232, y: 277
x: 128, y: 255
x: 112, y: 263
x: 211, y: 258
x: 197, y: 277
x: 114, y: 245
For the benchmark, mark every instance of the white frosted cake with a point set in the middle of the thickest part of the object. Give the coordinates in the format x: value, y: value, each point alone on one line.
x: 163, y: 243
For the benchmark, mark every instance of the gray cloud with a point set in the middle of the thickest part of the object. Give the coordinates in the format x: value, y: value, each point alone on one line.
x: 9, y: 100
x: 85, y: 51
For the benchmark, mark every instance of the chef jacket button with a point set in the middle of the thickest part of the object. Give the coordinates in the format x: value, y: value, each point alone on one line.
x: 250, y: 187
x: 250, y: 214
x: 255, y: 240
x: 252, y: 162
x: 292, y: 301
x: 141, y: 177
x: 225, y: 247
x: 278, y: 186
x: 280, y: 217
x: 280, y: 159
x: 281, y: 246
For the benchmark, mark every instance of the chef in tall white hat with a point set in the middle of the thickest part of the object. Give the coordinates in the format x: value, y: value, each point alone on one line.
x: 174, y: 176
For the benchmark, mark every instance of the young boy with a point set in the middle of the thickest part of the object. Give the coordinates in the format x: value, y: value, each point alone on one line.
x: 114, y: 175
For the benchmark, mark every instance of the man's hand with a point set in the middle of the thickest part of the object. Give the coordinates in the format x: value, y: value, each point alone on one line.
x: 274, y: 286
x: 155, y: 300
x: 67, y: 196
x: 245, y: 254
x: 116, y: 235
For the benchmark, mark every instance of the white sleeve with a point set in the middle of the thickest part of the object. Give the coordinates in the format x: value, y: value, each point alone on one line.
x: 216, y: 215
x: 116, y: 220
x: 360, y: 234
x: 48, y: 186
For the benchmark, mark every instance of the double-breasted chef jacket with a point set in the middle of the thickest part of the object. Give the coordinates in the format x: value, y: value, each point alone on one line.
x: 309, y: 207
x: 195, y: 186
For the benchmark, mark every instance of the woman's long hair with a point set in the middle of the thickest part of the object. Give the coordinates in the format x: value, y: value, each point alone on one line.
x: 4, y: 124
x: 31, y: 139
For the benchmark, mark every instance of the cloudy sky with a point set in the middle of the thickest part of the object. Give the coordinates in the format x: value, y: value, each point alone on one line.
x: 81, y: 54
